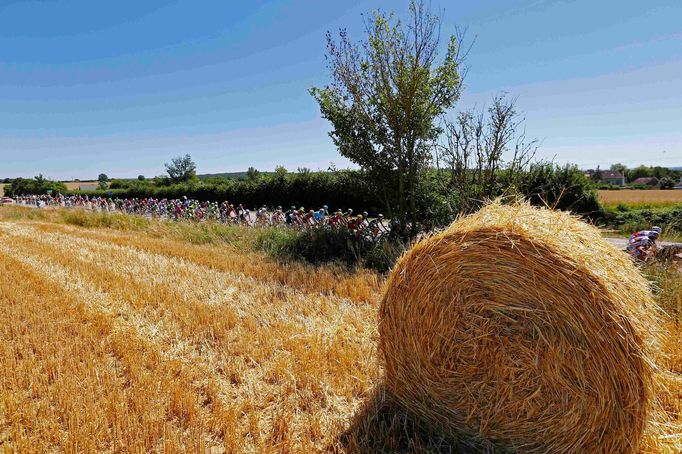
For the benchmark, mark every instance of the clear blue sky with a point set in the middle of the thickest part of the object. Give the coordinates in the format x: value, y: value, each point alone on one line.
x: 121, y: 87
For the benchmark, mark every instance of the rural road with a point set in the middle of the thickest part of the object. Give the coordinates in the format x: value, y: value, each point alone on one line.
x: 620, y: 243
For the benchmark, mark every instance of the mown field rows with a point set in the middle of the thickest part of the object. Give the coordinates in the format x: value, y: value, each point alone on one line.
x: 117, y: 346
x: 135, y: 340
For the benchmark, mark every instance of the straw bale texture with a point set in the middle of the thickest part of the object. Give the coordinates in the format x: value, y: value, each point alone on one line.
x: 522, y: 329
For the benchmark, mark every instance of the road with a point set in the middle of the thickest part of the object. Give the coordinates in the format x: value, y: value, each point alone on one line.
x: 621, y: 243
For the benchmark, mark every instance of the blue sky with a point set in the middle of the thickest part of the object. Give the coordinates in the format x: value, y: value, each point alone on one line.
x: 121, y: 87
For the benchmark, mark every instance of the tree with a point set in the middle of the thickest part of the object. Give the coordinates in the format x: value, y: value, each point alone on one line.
x: 638, y: 172
x: 386, y: 94
x: 483, y: 155
x: 37, y: 185
x: 252, y: 174
x: 618, y: 167
x: 597, y: 176
x: 181, y: 168
x: 103, y: 181
x: 281, y: 173
x: 666, y: 183
x: 141, y: 178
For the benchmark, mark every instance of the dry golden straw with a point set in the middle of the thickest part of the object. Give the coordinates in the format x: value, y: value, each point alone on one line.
x: 520, y: 328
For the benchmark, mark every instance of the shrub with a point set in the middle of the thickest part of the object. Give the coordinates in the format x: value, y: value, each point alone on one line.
x: 565, y: 188
x: 329, y: 245
x: 37, y: 185
x: 670, y: 219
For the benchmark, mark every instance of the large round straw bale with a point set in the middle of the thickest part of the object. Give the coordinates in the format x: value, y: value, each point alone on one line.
x: 522, y: 328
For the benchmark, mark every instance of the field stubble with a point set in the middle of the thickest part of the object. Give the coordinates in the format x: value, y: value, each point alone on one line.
x: 133, y: 339
x: 641, y: 198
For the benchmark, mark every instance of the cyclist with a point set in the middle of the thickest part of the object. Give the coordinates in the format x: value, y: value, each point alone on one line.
x: 320, y: 215
x: 289, y: 215
x: 643, y: 243
x: 262, y: 216
x: 337, y: 219
x: 377, y: 227
x: 277, y: 217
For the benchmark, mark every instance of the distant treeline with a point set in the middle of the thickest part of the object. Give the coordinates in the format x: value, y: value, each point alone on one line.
x: 36, y: 185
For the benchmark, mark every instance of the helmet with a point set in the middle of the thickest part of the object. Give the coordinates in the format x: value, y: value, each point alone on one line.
x: 381, y: 216
x: 656, y: 229
x: 365, y: 214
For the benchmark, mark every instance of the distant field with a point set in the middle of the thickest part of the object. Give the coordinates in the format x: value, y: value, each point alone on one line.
x: 70, y: 185
x: 646, y: 198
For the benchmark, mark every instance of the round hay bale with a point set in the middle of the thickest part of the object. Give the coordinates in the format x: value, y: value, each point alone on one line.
x: 523, y: 329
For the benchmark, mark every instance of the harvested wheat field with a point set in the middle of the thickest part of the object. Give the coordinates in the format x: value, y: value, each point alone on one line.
x: 126, y: 338
x: 641, y: 197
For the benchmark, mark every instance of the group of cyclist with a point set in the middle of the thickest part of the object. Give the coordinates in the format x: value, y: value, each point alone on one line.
x: 185, y: 208
x: 642, y: 244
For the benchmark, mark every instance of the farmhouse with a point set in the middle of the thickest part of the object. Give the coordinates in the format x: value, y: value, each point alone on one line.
x: 613, y: 177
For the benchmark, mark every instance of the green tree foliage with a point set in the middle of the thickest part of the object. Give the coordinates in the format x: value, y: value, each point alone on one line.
x: 181, y: 169
x: 618, y: 167
x: 103, y: 181
x: 141, y: 178
x: 37, y: 185
x: 565, y: 188
x: 386, y: 94
x: 666, y: 183
x: 597, y: 175
x: 252, y: 174
x: 483, y: 155
x: 639, y: 172
x: 342, y: 189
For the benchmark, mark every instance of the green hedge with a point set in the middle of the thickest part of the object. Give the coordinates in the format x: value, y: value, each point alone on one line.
x: 564, y: 187
x: 34, y: 186
x: 669, y: 219
x: 342, y: 190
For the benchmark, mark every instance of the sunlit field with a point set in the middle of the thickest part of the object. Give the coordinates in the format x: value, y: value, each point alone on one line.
x: 121, y: 334
x: 645, y: 198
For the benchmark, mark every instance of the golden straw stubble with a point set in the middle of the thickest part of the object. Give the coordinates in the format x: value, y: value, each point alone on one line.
x: 520, y: 328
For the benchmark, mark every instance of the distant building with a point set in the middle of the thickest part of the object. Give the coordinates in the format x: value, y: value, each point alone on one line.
x: 88, y: 186
x: 608, y: 176
x: 648, y: 181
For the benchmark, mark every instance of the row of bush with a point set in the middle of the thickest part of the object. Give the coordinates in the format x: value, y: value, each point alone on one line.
x: 340, y: 189
x: 543, y: 184
x: 670, y: 219
x: 37, y: 185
